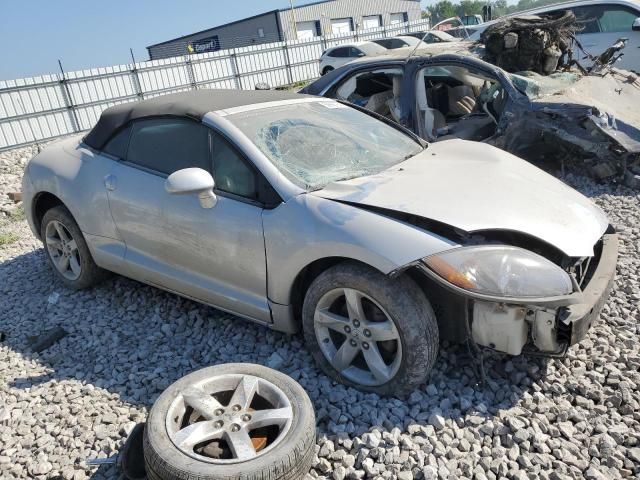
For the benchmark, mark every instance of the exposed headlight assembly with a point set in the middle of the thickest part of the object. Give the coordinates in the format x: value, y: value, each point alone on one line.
x: 501, y: 271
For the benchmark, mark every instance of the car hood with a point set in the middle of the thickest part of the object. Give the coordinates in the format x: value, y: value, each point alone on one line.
x: 473, y: 187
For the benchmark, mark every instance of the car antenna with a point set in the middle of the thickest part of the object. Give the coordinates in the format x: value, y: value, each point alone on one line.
x: 427, y: 33
x: 417, y: 45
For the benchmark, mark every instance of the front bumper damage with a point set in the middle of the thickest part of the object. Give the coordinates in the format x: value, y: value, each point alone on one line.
x: 539, y: 326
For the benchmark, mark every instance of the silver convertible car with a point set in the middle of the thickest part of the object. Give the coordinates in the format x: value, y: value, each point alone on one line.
x: 303, y: 213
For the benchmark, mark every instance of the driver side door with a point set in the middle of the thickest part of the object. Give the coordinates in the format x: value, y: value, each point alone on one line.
x: 213, y: 255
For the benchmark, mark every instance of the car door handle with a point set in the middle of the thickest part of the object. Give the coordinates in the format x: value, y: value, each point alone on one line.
x: 110, y: 182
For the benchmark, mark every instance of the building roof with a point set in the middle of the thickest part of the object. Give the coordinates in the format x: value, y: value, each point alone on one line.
x: 215, y: 28
x: 239, y: 21
x: 193, y: 104
x: 297, y: 7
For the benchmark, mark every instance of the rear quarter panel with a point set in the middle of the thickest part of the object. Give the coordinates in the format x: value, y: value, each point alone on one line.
x: 75, y: 175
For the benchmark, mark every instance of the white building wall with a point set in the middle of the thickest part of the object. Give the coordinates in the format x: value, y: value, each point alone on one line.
x: 324, y: 12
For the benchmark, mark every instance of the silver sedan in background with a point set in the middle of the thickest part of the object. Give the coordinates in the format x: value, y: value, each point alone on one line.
x: 303, y: 213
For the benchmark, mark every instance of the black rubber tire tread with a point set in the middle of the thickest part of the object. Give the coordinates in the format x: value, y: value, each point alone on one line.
x: 404, y: 301
x: 90, y: 274
x: 290, y: 460
x: 327, y: 70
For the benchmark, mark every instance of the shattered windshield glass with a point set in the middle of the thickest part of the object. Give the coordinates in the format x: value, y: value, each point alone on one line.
x: 317, y: 143
x: 534, y: 85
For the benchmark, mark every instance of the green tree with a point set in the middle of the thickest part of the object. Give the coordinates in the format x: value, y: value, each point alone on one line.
x: 445, y: 8
x: 441, y: 10
x: 470, y: 7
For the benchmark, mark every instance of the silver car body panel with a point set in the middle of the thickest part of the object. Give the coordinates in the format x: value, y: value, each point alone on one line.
x: 310, y: 228
x: 75, y: 174
x: 213, y: 255
x: 475, y: 187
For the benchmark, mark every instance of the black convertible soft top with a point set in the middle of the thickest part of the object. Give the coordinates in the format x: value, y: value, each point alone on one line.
x: 194, y: 104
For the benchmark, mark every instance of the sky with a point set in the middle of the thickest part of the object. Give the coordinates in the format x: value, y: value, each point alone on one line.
x: 34, y: 34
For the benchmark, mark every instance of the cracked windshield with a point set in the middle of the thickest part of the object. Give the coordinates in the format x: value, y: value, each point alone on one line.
x: 317, y: 143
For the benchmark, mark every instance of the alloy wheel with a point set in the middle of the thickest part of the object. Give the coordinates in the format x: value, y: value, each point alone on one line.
x: 229, y: 418
x: 358, y: 337
x: 63, y: 250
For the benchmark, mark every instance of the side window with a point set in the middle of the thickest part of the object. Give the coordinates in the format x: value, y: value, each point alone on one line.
x: 231, y: 172
x: 167, y: 145
x: 617, y: 19
x: 117, y: 146
x: 340, y: 52
x: 605, y: 18
x: 356, y: 52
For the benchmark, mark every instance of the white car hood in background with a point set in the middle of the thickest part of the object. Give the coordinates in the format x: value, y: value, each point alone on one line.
x: 474, y: 186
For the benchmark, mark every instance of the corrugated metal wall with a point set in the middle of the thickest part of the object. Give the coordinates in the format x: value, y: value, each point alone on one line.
x: 355, y: 9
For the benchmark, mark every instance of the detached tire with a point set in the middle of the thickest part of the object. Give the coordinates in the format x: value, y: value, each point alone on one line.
x: 369, y: 331
x: 231, y: 422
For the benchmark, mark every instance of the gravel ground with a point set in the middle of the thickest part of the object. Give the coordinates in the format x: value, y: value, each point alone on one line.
x: 573, y: 418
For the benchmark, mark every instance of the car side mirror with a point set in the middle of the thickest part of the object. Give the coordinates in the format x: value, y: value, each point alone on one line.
x: 636, y: 25
x: 192, y: 181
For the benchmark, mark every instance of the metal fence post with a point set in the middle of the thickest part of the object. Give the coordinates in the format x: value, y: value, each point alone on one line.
x: 190, y: 72
x: 235, y: 69
x: 68, y: 100
x: 287, y: 60
x: 136, y: 78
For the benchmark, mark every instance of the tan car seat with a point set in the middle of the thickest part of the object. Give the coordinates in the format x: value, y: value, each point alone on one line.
x: 461, y: 100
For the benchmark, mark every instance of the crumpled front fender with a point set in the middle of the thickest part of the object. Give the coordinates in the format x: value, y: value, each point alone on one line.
x: 309, y: 228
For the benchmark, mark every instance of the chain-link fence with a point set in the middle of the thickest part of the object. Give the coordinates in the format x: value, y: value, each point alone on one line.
x: 41, y: 108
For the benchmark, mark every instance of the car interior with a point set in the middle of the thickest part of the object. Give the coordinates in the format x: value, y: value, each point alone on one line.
x: 376, y: 90
x: 452, y: 101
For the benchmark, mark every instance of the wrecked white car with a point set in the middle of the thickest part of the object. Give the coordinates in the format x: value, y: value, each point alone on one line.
x: 303, y: 213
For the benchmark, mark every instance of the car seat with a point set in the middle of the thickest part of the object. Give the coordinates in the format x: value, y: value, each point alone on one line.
x: 461, y: 100
x: 378, y: 102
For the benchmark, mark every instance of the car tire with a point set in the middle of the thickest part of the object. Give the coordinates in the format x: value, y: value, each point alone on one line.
x: 286, y: 455
x: 64, y: 243
x: 327, y: 70
x: 399, y: 327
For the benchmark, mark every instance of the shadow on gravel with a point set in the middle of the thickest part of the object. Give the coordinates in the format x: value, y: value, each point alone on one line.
x: 132, y: 341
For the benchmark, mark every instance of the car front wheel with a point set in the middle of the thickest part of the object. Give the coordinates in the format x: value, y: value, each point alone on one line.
x: 369, y: 331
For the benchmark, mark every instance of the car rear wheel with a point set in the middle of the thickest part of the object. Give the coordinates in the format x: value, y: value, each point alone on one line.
x: 369, y: 331
x: 228, y: 422
x: 327, y: 70
x: 67, y: 250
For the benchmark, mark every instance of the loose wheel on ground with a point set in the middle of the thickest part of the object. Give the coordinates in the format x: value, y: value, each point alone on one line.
x: 229, y: 422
